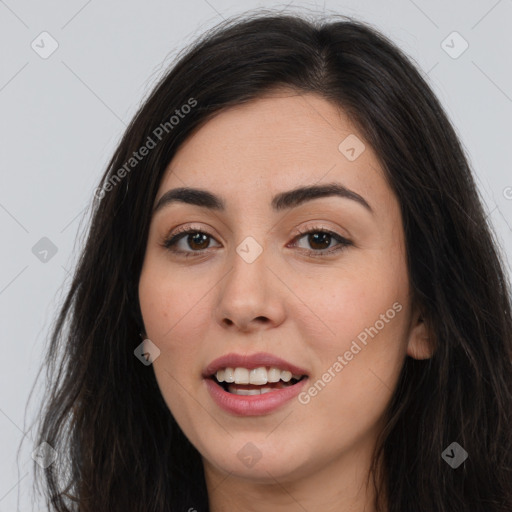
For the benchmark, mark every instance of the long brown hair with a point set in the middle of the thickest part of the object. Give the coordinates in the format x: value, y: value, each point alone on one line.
x: 120, y: 448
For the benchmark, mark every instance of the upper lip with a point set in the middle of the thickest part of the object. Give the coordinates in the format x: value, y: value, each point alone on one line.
x: 251, y: 361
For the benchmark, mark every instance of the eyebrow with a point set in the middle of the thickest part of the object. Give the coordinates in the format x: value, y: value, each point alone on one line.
x: 282, y: 201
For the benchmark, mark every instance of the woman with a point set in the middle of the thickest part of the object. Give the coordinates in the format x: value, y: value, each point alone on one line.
x: 289, y: 298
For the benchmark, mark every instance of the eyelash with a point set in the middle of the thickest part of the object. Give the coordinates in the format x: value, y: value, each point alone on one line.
x: 169, y: 242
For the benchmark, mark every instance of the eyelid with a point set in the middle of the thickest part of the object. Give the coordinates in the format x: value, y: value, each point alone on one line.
x: 176, y: 234
x: 343, y: 242
x: 304, y: 230
x: 186, y: 228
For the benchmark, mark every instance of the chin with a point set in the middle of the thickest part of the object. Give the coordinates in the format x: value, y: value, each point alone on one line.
x: 259, y: 459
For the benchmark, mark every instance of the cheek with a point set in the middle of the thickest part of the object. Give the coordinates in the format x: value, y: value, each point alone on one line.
x: 360, y: 298
x: 366, y: 329
x: 360, y: 346
x: 177, y: 312
x: 173, y: 304
x: 175, y: 315
x: 357, y: 364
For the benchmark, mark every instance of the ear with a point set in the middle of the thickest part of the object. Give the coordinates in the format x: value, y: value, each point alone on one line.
x: 421, y: 343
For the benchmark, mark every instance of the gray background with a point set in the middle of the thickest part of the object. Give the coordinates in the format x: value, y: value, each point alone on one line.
x: 62, y: 117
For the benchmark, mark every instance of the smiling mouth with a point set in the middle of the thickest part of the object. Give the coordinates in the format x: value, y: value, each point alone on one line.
x: 258, y: 381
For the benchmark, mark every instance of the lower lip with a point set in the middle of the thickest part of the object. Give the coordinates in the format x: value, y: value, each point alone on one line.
x: 252, y: 405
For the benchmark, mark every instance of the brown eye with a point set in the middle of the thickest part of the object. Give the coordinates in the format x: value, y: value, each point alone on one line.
x: 195, y: 241
x: 320, y: 239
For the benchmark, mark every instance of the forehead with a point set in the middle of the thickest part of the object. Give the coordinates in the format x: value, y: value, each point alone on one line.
x: 277, y: 142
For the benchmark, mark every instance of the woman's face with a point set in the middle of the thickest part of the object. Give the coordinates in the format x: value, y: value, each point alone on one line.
x: 251, y: 286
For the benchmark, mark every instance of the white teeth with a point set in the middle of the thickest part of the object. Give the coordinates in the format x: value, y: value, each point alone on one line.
x: 229, y: 375
x: 286, y: 376
x: 241, y: 376
x: 247, y: 392
x: 257, y: 376
x: 274, y: 375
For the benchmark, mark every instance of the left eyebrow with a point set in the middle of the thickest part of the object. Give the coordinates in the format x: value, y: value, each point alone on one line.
x: 282, y: 201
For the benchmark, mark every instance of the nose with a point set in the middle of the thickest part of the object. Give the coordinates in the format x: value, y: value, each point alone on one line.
x: 251, y: 296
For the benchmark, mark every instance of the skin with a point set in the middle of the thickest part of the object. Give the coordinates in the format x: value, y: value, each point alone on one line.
x: 304, y: 309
